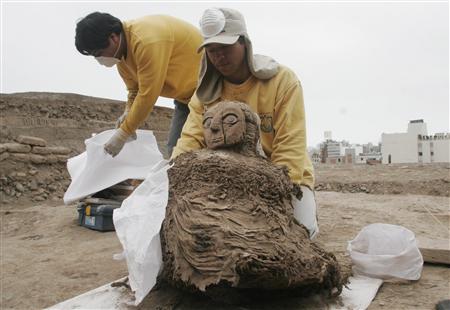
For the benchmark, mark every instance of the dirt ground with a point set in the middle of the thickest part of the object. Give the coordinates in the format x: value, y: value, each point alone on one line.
x: 47, y: 258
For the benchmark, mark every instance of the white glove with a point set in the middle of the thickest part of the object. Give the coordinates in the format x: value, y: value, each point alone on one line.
x: 117, y: 141
x: 121, y: 119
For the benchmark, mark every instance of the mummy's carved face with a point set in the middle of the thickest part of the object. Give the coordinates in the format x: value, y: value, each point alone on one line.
x: 224, y: 125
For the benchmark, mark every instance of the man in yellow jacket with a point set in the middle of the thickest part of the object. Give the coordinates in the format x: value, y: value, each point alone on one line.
x: 155, y: 56
x: 230, y: 71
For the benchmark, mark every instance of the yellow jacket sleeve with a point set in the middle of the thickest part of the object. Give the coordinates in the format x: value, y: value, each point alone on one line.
x: 152, y: 61
x: 289, y: 142
x: 132, y: 88
x: 192, y: 134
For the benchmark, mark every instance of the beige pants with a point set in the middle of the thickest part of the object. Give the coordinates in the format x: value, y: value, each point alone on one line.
x: 305, y: 211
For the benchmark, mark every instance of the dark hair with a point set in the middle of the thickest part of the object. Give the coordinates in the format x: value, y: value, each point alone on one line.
x: 93, y: 32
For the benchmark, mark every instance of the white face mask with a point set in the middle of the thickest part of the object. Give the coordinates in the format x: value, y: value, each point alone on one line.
x: 110, y: 61
x: 107, y: 61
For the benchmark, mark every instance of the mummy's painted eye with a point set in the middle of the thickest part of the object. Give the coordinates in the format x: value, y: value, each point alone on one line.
x: 207, y: 122
x: 230, y: 119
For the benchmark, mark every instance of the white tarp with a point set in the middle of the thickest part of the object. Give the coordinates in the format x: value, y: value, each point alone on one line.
x: 358, y: 295
x: 137, y: 223
x: 95, y: 170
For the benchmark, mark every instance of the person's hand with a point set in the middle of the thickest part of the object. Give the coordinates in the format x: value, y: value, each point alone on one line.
x: 117, y: 141
x: 121, y: 119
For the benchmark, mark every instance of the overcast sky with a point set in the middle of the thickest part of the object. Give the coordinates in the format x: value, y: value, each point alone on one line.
x: 366, y: 68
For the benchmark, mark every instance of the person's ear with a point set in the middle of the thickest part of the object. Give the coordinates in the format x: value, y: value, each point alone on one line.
x: 114, y: 37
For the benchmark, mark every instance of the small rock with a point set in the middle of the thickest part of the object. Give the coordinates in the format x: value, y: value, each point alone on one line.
x: 54, y: 198
x: 62, y: 158
x: 41, y: 150
x: 4, y: 156
x: 33, y: 185
x: 40, y: 191
x: 52, y: 187
x: 21, y: 175
x: 31, y: 140
x: 346, y: 217
x: 3, y: 148
x: 20, y: 157
x: 32, y: 172
x: 17, y: 148
x: 212, y: 198
x: 38, y: 198
x: 20, y: 188
x: 57, y: 150
x: 51, y: 159
x: 38, y: 159
x: 32, y: 237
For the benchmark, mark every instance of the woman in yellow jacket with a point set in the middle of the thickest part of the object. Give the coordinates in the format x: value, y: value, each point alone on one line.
x: 230, y: 71
x: 155, y: 55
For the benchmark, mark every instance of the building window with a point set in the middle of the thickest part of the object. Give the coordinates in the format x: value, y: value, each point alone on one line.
x: 432, y: 153
x: 420, y: 153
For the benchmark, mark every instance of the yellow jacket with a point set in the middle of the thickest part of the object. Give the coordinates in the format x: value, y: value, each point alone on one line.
x: 161, y: 60
x: 279, y: 103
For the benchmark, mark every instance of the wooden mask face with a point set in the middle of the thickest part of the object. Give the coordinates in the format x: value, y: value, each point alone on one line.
x: 224, y: 125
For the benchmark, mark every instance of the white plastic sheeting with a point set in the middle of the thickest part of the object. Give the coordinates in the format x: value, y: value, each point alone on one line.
x: 358, y: 295
x: 137, y: 223
x: 386, y: 251
x: 95, y: 170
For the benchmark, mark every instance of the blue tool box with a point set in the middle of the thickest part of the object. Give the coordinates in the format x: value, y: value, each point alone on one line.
x: 96, y: 216
x: 96, y: 212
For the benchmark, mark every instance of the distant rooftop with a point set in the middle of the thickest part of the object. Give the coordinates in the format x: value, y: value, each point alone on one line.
x: 416, y: 121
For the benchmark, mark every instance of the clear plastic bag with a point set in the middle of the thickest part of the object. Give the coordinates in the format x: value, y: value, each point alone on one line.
x: 386, y: 251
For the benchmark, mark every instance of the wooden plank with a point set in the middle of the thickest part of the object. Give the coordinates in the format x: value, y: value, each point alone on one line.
x: 435, y: 250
